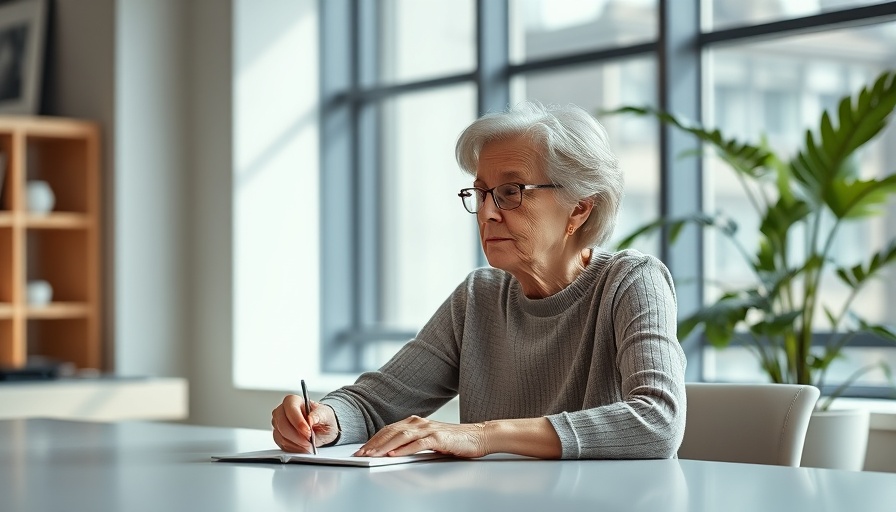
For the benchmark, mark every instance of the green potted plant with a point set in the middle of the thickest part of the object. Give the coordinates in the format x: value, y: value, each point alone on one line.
x: 802, y: 203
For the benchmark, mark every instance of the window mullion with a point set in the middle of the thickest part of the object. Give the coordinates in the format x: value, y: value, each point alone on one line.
x: 679, y: 92
x: 338, y: 245
x: 492, y: 63
x: 492, y: 54
x: 367, y: 173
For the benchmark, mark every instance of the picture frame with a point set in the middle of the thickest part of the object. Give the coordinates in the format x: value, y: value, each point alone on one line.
x: 22, y: 39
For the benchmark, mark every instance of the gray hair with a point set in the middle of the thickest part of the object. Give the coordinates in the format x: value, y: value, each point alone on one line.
x: 575, y: 152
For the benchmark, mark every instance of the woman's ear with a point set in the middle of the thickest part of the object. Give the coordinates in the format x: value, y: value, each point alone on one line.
x: 581, y: 212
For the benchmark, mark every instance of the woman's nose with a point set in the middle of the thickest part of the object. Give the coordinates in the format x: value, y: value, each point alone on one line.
x: 489, y: 209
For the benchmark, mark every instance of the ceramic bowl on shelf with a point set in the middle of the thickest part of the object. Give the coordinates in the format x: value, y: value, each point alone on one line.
x: 40, y: 197
x: 39, y: 292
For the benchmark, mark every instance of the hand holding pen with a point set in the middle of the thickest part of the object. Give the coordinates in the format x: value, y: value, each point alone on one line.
x: 301, y: 425
x: 308, y: 416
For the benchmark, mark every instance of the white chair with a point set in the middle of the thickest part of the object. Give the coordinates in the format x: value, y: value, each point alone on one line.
x: 755, y: 423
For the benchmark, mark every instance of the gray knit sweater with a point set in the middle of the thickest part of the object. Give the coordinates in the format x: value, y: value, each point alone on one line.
x: 600, y: 359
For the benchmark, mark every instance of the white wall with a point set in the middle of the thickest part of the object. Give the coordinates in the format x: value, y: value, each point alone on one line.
x: 275, y: 210
x: 214, y: 399
x: 151, y: 188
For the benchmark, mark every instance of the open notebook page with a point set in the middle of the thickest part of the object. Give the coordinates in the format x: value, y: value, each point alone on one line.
x: 334, y: 455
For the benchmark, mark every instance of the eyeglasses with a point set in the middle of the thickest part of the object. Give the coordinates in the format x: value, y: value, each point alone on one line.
x: 507, y: 196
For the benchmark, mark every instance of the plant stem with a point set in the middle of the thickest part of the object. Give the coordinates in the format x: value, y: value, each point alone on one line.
x: 828, y: 400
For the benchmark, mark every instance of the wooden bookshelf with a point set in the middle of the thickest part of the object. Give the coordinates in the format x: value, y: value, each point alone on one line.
x: 61, y: 247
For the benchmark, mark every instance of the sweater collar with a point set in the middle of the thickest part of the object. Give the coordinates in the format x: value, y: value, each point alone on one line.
x: 561, y: 301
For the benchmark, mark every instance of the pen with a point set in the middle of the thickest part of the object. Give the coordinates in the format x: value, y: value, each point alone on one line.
x: 308, y: 415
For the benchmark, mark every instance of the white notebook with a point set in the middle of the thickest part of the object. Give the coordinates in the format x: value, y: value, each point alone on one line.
x: 333, y: 455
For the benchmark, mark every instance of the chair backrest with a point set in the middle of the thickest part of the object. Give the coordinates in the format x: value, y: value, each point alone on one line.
x: 757, y: 423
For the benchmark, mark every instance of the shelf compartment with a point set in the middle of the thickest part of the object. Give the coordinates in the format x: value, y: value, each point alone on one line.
x: 11, y: 353
x: 60, y: 257
x: 66, y: 340
x: 62, y: 163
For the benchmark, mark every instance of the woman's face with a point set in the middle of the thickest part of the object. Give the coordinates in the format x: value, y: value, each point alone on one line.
x: 532, y: 239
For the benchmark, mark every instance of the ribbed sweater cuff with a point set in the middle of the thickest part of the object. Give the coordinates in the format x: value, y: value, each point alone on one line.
x: 351, y: 422
x: 569, y: 441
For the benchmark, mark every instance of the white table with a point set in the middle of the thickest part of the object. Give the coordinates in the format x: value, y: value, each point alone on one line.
x: 56, y: 465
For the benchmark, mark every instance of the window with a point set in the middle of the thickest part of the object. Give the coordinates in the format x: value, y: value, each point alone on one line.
x: 780, y: 87
x: 541, y: 29
x: 727, y: 13
x: 429, y: 240
x: 421, y: 39
x: 385, y: 88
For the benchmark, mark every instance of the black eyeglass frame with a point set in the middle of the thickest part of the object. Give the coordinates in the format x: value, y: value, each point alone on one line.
x: 468, y: 192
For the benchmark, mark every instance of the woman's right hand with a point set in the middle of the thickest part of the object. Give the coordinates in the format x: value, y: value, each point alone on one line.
x: 292, y: 433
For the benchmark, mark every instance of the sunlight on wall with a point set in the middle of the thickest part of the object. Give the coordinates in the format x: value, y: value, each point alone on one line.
x: 275, y: 192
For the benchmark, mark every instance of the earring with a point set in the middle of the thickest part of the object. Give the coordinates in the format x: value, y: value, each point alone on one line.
x: 570, y: 230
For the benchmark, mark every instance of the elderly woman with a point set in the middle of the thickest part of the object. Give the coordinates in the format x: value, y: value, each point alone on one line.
x: 561, y: 350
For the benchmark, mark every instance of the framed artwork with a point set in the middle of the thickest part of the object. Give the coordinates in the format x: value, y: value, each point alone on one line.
x: 22, y: 32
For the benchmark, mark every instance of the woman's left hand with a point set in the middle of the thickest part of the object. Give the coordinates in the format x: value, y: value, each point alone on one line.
x: 416, y: 434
